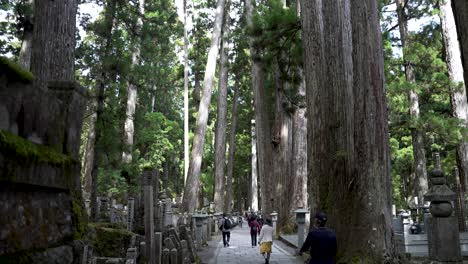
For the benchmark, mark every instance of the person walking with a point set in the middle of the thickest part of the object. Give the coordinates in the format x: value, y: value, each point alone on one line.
x: 254, y: 230
x: 241, y: 221
x: 321, y: 241
x: 266, y: 240
x: 225, y: 228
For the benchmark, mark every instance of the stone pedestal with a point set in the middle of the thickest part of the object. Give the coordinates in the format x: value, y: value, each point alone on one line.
x: 300, y: 220
x: 198, y: 229
x: 443, y: 231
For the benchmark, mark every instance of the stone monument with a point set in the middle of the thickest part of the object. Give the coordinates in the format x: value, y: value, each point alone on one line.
x: 442, y: 230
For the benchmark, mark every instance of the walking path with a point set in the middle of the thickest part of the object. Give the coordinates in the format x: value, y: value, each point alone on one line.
x: 240, y: 251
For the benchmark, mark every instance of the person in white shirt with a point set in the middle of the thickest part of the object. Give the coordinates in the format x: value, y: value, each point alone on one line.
x: 266, y: 240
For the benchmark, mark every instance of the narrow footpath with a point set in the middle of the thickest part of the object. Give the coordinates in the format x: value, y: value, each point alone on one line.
x: 240, y: 250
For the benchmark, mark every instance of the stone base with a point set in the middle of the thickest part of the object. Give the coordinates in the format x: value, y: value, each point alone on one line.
x: 443, y: 239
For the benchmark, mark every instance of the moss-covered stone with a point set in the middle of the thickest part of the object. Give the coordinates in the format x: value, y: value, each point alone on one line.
x: 109, y: 242
x: 23, y: 257
x: 79, y: 217
x: 15, y: 72
x: 29, y: 153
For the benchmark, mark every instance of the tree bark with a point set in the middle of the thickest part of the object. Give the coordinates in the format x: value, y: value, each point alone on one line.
x: 53, y: 48
x: 282, y: 147
x: 28, y: 32
x: 457, y: 91
x: 186, y: 95
x: 129, y: 129
x: 192, y: 187
x: 460, y: 11
x: 232, y: 149
x: 347, y: 125
x: 105, y: 50
x: 254, y: 175
x: 299, y: 156
x: 420, y: 183
x: 264, y: 150
x: 89, y: 150
x: 221, y: 122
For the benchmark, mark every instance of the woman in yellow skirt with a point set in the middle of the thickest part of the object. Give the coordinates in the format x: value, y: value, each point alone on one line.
x: 266, y: 240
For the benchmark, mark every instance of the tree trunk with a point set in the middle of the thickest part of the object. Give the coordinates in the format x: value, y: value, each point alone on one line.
x: 221, y: 123
x: 420, y: 183
x: 53, y: 49
x: 262, y: 125
x: 192, y: 188
x: 299, y: 156
x: 232, y: 149
x: 89, y: 150
x: 457, y: 91
x: 105, y: 50
x: 186, y: 95
x: 282, y: 147
x: 28, y: 32
x: 129, y: 129
x: 254, y: 176
x: 460, y: 10
x: 347, y: 125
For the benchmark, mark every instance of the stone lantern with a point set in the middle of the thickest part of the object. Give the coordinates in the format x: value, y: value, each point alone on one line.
x: 300, y: 220
x: 274, y: 219
x: 442, y: 227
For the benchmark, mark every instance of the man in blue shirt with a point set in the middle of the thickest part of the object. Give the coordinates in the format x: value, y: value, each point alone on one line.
x: 321, y: 241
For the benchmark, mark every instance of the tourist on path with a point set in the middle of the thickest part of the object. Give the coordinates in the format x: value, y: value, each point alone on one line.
x: 225, y: 228
x: 241, y: 221
x: 254, y: 230
x: 321, y: 241
x: 266, y: 240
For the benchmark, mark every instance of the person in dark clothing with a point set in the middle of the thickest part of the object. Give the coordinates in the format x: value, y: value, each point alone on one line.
x: 321, y: 241
x: 254, y: 230
x: 225, y: 228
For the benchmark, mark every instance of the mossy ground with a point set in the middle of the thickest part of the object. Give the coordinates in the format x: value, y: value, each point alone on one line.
x: 14, y: 71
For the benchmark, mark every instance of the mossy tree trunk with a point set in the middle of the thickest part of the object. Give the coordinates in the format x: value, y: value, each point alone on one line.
x: 347, y: 125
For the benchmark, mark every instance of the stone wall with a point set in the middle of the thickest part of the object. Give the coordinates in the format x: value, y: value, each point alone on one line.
x: 40, y: 199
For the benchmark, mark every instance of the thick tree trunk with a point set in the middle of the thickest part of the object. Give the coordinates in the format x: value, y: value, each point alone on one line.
x: 105, y: 49
x: 129, y: 129
x: 253, y: 195
x: 192, y: 188
x: 261, y: 121
x: 283, y: 152
x: 186, y: 94
x: 53, y: 49
x: 347, y: 124
x: 221, y: 123
x: 232, y: 149
x: 28, y: 32
x: 460, y: 10
x: 420, y: 183
x: 457, y: 91
x: 299, y: 156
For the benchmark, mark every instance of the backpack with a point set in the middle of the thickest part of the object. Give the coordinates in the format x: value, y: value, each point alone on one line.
x: 253, y: 228
x: 227, y: 224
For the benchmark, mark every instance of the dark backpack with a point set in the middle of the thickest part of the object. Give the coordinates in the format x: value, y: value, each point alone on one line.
x: 253, y: 228
x: 227, y: 224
